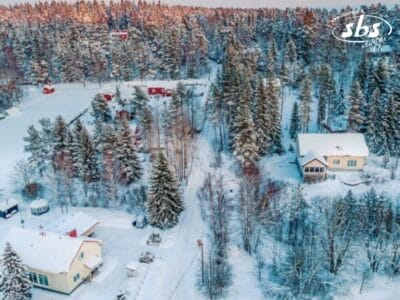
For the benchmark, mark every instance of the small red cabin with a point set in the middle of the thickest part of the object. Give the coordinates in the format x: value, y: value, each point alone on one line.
x: 156, y: 91
x: 48, y: 89
x: 107, y: 96
x: 122, y: 35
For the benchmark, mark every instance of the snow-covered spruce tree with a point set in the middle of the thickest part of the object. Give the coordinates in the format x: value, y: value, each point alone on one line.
x: 291, y: 61
x: 47, y: 136
x: 391, y: 125
x: 380, y: 79
x: 305, y: 105
x: 272, y: 57
x: 16, y: 284
x: 139, y: 100
x: 261, y: 119
x: 362, y: 75
x: 100, y: 109
x: 355, y: 119
x: 34, y: 146
x: 373, y: 125
x: 217, y: 111
x: 273, y: 108
x: 76, y: 146
x: 164, y: 201
x: 131, y: 169
x: 60, y: 131
x: 295, y: 125
x: 245, y: 147
x: 88, y: 168
x: 327, y: 95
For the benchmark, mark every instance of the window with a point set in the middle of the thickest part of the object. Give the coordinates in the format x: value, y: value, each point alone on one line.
x: 336, y: 161
x: 312, y: 170
x: 33, y: 277
x: 321, y: 170
x: 352, y: 163
x: 82, y: 255
x: 43, y: 280
x: 76, y: 277
x: 307, y: 170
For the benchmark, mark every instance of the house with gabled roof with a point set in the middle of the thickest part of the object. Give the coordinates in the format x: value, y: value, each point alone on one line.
x: 318, y: 152
x: 54, y: 261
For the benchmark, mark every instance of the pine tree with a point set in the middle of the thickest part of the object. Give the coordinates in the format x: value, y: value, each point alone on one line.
x: 380, y: 78
x: 60, y: 131
x: 76, y: 146
x: 355, y: 119
x: 244, y: 145
x: 391, y: 126
x: 362, y: 75
x: 291, y: 61
x: 47, y: 136
x: 100, y: 109
x: 140, y: 100
x: 327, y: 95
x: 261, y: 120
x: 305, y: 105
x: 16, y: 284
x: 295, y: 125
x: 373, y: 124
x: 88, y: 168
x: 272, y: 57
x: 164, y: 204
x: 131, y: 169
x: 34, y: 146
x: 273, y: 105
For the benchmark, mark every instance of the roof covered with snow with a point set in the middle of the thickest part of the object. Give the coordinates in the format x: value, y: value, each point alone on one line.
x: 7, y: 204
x: 93, y: 262
x: 43, y: 251
x: 79, y: 221
x: 310, y: 156
x: 332, y: 144
x: 38, y: 203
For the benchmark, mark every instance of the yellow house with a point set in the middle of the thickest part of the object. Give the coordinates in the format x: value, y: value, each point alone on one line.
x: 318, y: 152
x: 55, y: 262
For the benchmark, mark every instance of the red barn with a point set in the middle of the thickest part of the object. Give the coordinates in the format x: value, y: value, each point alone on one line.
x: 107, y: 96
x: 156, y: 91
x: 168, y: 93
x: 48, y: 89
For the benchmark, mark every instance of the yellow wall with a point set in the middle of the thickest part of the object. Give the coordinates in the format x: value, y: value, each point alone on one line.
x: 89, y: 249
x: 64, y: 283
x: 343, y: 162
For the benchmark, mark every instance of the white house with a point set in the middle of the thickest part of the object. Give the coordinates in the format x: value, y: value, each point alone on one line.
x: 318, y: 152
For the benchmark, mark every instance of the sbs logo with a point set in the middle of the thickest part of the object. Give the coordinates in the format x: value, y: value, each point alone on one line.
x: 360, y: 28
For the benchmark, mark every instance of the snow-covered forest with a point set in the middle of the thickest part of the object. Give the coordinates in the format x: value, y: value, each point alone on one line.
x: 213, y: 162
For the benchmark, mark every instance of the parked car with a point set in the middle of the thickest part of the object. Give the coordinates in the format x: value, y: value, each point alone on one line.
x: 146, y: 257
x: 154, y: 239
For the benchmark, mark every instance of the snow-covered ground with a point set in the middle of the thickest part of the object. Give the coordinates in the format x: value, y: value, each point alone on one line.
x: 173, y: 274
x: 68, y: 101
